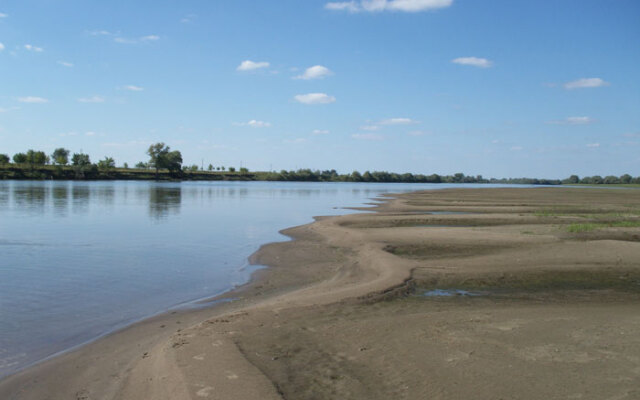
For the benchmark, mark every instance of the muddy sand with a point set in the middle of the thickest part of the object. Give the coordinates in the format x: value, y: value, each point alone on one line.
x: 447, y: 294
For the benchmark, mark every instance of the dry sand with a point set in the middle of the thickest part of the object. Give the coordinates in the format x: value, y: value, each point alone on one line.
x: 340, y: 314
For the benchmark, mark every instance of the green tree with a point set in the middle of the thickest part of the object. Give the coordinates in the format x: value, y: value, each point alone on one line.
x: 210, y: 168
x: 106, y: 164
x: 4, y: 159
x: 572, y: 179
x: 193, y: 168
x: 142, y: 165
x: 80, y: 159
x: 37, y: 157
x: 626, y: 178
x: 161, y: 156
x: 244, y: 170
x: 81, y: 164
x: 60, y: 156
x: 231, y: 169
x: 125, y: 166
x: 20, y: 158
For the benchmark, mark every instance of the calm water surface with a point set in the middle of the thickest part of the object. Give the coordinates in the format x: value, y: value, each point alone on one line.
x: 80, y: 259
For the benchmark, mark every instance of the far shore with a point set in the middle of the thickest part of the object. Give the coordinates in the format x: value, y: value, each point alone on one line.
x: 457, y: 293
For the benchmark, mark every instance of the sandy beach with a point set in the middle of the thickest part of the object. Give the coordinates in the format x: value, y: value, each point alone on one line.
x: 445, y: 294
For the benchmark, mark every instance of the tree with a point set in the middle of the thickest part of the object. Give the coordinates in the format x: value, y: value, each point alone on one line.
x: 231, y: 169
x: 142, y: 165
x: 60, y: 156
x: 572, y: 179
x: 107, y: 163
x: 244, y: 170
x: 4, y: 159
x: 210, y: 168
x: 80, y: 159
x: 125, y: 166
x: 160, y: 156
x: 626, y: 178
x: 37, y: 157
x: 193, y: 168
x: 20, y: 158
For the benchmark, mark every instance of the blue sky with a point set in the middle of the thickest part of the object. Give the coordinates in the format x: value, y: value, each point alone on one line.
x: 499, y: 88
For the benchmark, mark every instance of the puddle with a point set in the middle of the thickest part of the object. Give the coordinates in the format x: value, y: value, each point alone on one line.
x: 450, y: 293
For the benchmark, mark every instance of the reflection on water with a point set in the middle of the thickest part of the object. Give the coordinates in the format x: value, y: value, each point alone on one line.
x: 164, y: 201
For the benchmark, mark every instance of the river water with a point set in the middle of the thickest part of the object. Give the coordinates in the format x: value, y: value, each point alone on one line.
x: 81, y: 259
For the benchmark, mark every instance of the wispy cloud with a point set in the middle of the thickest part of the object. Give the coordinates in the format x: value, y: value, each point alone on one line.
x: 65, y: 64
x: 593, y: 145
x: 33, y: 100
x: 92, y: 99
x: 398, y: 121
x: 516, y: 148
x: 133, y: 88
x: 248, y: 65
x: 586, y: 83
x: 90, y: 133
x: 418, y: 133
x: 1, y: 46
x: 4, y: 110
x: 367, y: 136
x: 320, y: 132
x: 573, y: 121
x: 254, y: 124
x: 142, y: 39
x: 100, y: 32
x: 296, y: 140
x: 388, y: 5
x: 314, y: 98
x: 36, y: 49
x: 315, y: 72
x: 473, y: 61
x: 370, y: 128
x: 3, y: 15
x: 187, y: 19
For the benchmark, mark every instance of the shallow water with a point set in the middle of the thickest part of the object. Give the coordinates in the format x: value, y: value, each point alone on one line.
x: 80, y: 259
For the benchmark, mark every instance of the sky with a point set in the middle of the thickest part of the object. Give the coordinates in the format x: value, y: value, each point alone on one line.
x: 498, y: 88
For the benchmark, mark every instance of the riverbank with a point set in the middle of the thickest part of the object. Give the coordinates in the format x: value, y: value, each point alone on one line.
x: 342, y: 313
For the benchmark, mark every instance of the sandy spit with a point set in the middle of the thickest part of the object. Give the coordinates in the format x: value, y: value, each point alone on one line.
x: 542, y: 302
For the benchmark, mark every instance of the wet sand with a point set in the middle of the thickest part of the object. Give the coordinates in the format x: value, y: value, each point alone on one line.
x: 553, y: 310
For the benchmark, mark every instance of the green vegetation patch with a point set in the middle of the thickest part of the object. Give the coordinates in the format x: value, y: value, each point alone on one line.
x: 588, y: 227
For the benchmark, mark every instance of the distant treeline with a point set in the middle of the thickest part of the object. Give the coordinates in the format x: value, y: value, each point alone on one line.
x: 166, y: 164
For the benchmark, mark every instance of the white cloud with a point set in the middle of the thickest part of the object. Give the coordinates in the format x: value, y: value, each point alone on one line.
x: 4, y: 110
x: 370, y: 128
x: 33, y: 99
x: 418, y: 133
x: 314, y: 98
x: 473, y: 61
x: 149, y: 38
x: 388, y: 5
x: 350, y: 6
x: 90, y: 133
x: 101, y: 32
x: 398, y: 121
x: 188, y: 18
x: 320, y: 132
x: 254, y: 124
x: 3, y: 15
x: 133, y: 88
x: 92, y: 99
x: 295, y: 141
x: 593, y: 145
x: 249, y: 65
x: 573, y: 121
x: 585, y: 83
x: 65, y: 64
x: 315, y: 72
x: 33, y: 48
x: 516, y: 148
x: 367, y: 136
x: 142, y: 39
x: 68, y: 134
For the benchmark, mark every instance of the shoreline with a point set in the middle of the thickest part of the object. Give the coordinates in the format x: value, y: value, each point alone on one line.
x: 349, y: 268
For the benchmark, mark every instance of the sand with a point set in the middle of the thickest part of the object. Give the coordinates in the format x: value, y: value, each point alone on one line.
x: 552, y: 310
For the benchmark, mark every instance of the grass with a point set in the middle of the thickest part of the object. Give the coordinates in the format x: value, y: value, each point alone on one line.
x: 592, y: 226
x: 605, y: 185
